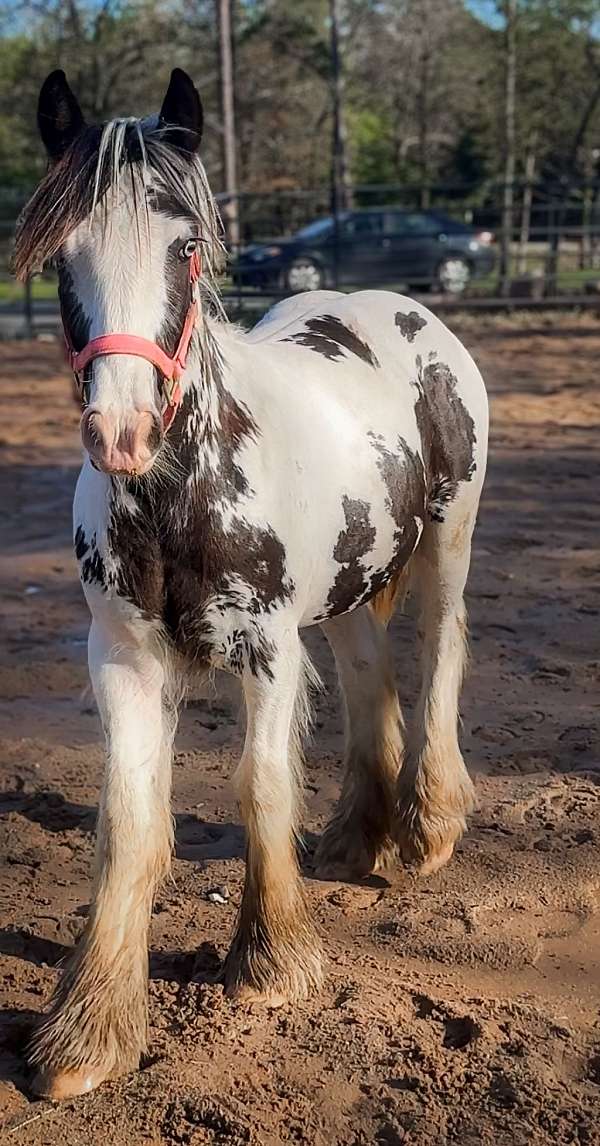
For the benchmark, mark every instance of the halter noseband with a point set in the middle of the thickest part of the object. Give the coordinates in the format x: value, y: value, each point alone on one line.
x: 170, y: 368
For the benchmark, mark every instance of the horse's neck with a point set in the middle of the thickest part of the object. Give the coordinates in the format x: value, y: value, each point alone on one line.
x: 204, y: 389
x: 212, y: 426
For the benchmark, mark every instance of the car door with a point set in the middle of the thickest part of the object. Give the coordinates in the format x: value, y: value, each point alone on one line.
x: 360, y: 251
x: 412, y: 247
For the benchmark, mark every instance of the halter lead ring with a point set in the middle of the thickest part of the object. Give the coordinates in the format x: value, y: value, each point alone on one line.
x: 170, y: 368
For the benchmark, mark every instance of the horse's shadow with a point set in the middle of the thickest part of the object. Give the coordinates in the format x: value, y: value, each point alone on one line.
x: 17, y: 1027
x: 195, y: 839
x: 49, y: 809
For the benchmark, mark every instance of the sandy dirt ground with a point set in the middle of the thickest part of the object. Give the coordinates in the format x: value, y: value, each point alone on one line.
x: 461, y: 1009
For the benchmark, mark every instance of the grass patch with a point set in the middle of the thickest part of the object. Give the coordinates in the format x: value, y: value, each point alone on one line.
x: 41, y: 290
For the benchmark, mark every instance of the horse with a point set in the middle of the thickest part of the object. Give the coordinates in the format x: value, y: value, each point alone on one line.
x: 237, y: 488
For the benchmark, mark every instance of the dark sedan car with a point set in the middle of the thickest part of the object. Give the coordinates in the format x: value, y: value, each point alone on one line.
x: 423, y: 249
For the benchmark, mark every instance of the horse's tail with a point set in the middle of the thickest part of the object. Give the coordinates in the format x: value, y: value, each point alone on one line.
x: 386, y: 601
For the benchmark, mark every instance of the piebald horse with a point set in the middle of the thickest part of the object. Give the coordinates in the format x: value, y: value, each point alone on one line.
x: 238, y: 487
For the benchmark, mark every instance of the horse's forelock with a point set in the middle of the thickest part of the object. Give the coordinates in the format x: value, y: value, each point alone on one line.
x: 97, y: 162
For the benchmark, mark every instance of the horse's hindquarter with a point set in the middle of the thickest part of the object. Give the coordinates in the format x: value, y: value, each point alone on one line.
x: 339, y: 466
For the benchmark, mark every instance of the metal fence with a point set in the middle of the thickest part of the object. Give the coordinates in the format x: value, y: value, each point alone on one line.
x: 551, y: 256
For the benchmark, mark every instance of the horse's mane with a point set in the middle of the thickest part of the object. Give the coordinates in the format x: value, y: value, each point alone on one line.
x: 129, y: 153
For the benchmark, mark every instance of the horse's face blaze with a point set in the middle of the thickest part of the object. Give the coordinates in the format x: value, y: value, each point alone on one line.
x: 125, y: 287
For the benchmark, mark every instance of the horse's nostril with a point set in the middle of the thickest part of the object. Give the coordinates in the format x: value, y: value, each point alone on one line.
x: 90, y: 431
x: 155, y: 436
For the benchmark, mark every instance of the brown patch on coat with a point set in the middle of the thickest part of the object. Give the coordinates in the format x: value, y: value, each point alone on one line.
x: 404, y: 478
x: 353, y: 543
x: 402, y: 472
x: 91, y: 564
x: 447, y: 433
x: 410, y: 324
x: 329, y: 336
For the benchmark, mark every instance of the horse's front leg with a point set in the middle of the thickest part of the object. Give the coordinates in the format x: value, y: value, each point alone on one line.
x: 275, y: 954
x: 97, y: 1023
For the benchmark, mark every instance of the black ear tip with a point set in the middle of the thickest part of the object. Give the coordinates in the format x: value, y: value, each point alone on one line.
x: 182, y: 111
x: 58, y: 114
x: 178, y: 76
x: 57, y: 78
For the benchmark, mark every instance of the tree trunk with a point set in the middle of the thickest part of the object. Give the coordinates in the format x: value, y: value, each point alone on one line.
x: 587, y: 208
x: 526, y: 209
x: 423, y: 118
x: 340, y: 174
x: 231, y: 210
x: 510, y: 73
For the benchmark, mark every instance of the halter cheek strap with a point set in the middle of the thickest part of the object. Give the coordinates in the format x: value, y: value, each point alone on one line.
x: 170, y: 368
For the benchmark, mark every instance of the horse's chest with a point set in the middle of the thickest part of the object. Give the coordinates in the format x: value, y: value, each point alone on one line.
x: 165, y: 578
x: 206, y: 586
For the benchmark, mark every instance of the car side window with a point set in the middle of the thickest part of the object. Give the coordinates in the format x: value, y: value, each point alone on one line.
x: 410, y: 223
x: 361, y: 226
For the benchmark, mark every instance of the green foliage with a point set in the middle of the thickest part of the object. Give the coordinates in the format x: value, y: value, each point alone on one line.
x: 371, y: 146
x: 423, y: 85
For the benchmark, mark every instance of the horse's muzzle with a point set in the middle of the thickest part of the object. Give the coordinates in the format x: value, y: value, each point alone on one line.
x: 120, y: 445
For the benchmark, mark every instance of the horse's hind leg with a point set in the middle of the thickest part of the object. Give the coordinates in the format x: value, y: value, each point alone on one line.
x: 435, y: 792
x: 97, y: 1023
x: 357, y: 839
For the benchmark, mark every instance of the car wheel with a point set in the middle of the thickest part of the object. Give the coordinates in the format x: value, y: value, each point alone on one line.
x: 453, y: 275
x: 304, y: 274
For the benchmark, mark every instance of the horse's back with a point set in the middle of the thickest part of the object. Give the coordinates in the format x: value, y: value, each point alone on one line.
x: 289, y: 311
x: 397, y: 335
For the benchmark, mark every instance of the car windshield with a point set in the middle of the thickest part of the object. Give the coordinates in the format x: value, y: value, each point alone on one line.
x: 316, y: 229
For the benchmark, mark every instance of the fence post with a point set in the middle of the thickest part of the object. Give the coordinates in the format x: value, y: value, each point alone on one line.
x: 510, y: 69
x: 228, y: 112
x: 28, y: 309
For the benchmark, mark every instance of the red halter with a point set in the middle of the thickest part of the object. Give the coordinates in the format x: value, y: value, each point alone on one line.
x: 170, y: 368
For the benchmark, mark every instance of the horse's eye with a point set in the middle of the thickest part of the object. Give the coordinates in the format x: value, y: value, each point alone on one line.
x: 187, y: 250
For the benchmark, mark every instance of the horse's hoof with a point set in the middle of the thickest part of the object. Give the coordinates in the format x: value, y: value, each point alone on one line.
x: 61, y: 1084
x: 253, y: 997
x: 427, y: 864
x: 332, y: 871
x: 435, y: 861
x: 354, y: 868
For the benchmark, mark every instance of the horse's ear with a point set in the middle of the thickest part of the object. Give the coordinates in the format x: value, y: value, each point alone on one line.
x: 59, y: 115
x: 182, y: 112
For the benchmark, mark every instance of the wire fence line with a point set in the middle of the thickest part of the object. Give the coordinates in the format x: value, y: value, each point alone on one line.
x: 553, y: 255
